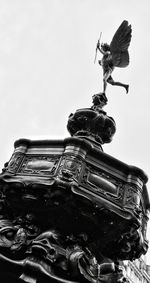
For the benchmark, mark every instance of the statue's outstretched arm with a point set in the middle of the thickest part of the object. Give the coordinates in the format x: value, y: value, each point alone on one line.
x: 99, y: 48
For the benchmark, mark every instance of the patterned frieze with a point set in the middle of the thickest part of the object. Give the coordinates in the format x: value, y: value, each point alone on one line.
x: 81, y: 164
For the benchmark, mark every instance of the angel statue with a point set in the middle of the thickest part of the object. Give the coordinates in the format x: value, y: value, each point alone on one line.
x: 115, y: 54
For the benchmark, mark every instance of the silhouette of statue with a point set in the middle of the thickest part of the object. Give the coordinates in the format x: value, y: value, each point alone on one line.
x: 115, y: 55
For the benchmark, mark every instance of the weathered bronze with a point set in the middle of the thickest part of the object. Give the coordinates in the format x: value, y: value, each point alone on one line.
x: 93, y: 123
x: 115, y: 54
x: 69, y: 212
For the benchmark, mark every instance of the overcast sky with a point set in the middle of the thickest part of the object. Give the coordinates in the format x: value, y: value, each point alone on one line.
x: 47, y: 50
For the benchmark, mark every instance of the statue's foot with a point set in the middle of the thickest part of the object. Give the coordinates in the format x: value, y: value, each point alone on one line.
x: 127, y: 88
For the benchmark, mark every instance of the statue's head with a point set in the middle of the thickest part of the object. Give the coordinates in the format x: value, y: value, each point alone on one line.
x: 105, y: 47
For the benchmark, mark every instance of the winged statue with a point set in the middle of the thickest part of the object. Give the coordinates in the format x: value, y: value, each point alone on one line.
x: 115, y: 54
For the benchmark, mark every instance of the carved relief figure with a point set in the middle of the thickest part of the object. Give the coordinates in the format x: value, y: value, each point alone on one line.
x: 50, y: 256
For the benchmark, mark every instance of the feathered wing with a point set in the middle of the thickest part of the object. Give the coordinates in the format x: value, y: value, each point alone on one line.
x: 119, y: 45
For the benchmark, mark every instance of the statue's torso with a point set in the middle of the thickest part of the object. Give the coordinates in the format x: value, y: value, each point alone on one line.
x: 107, y: 62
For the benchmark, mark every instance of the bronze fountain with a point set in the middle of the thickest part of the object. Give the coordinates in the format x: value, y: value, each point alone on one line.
x: 69, y: 212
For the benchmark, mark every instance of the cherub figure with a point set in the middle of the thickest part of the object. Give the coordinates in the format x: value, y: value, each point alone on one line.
x: 115, y: 55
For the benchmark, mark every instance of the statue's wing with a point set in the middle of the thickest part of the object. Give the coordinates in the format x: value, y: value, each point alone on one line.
x: 119, y: 45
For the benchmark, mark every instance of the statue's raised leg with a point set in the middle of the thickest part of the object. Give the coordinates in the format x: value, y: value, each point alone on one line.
x: 112, y: 82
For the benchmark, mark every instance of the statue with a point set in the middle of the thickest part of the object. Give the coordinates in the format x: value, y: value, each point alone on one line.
x: 115, y: 54
x: 70, y: 213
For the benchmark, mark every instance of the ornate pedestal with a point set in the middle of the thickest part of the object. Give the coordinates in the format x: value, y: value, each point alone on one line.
x: 69, y: 211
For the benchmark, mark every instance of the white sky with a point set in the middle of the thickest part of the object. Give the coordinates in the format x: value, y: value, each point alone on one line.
x: 47, y: 50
